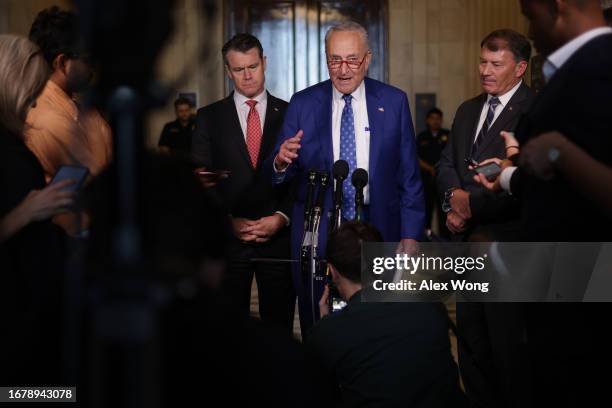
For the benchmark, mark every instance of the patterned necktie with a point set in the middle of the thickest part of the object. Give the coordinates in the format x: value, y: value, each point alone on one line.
x: 253, y: 138
x: 348, y: 153
x: 493, y: 103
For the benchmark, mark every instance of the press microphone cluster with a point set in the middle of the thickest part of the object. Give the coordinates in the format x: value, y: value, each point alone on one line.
x: 313, y: 208
x: 359, y: 179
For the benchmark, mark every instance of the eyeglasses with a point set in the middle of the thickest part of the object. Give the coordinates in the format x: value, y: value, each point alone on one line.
x: 352, y: 63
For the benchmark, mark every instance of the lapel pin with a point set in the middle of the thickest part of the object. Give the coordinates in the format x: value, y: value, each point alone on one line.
x: 510, y: 108
x: 275, y: 109
x: 381, y: 109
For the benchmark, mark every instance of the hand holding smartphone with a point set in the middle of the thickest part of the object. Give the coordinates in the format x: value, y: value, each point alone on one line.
x: 77, y: 174
x: 489, y: 170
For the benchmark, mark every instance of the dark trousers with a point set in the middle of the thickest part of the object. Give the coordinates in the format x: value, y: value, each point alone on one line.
x: 274, y: 285
x: 493, y: 354
x: 432, y: 204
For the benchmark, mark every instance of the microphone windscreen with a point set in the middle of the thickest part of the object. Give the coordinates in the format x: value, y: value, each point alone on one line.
x: 359, y: 178
x: 340, y: 170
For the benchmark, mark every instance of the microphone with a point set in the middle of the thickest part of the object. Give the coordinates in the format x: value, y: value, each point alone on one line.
x: 308, y: 207
x: 317, y: 210
x: 340, y: 171
x: 324, y: 178
x: 359, y: 180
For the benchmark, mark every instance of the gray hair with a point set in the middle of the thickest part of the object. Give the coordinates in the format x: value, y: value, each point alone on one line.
x: 348, y: 26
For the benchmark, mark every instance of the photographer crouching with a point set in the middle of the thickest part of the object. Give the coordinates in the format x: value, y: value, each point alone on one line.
x: 379, y: 354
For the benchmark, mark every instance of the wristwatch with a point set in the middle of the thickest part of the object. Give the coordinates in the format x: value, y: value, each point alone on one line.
x: 446, y: 207
x: 553, y: 155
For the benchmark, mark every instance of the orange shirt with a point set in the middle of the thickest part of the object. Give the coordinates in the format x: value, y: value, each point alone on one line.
x: 59, y: 132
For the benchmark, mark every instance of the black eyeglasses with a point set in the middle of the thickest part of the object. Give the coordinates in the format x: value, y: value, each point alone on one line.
x: 351, y: 63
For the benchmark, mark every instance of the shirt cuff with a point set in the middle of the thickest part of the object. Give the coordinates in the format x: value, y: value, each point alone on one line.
x: 505, y: 177
x: 279, y: 175
x: 287, y: 219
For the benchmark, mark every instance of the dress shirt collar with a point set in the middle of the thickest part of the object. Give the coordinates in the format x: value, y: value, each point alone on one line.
x: 240, y: 99
x: 358, y: 94
x: 505, y: 98
x: 560, y: 56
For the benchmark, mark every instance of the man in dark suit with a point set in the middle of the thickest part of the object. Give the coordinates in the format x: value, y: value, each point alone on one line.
x: 470, y: 208
x: 235, y: 135
x: 367, y: 124
x: 490, y: 367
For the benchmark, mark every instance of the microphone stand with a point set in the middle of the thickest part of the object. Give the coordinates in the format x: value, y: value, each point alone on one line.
x: 315, y: 264
x: 337, y: 215
x: 307, y: 236
x: 359, y: 204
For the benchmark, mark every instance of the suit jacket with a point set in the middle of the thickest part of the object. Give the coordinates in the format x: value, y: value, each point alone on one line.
x: 219, y: 144
x: 452, y: 171
x: 396, y: 206
x: 575, y: 102
x: 569, y: 341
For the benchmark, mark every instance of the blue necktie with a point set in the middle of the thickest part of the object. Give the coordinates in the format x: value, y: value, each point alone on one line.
x: 348, y: 153
x: 486, y: 125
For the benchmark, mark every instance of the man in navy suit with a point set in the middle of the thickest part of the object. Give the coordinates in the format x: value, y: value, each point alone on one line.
x: 367, y: 124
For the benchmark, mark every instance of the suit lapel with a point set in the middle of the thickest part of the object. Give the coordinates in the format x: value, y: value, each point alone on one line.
x: 234, y: 130
x: 376, y: 119
x: 323, y: 125
x: 268, y: 139
x: 475, y: 115
x: 511, y: 110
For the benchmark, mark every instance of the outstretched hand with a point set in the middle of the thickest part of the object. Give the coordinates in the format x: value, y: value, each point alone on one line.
x: 288, y: 151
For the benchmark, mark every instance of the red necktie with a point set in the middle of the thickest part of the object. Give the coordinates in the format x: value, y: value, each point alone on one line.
x: 253, y: 138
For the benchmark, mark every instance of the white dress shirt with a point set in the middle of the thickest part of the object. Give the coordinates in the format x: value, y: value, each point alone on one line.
x: 553, y: 63
x: 560, y: 56
x: 503, y: 101
x: 243, y: 109
x: 362, y: 130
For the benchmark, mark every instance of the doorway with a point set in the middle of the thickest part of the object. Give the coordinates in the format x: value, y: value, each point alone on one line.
x: 292, y: 34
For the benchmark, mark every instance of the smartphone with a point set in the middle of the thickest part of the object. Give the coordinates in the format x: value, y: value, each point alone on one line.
x: 77, y: 173
x: 490, y: 170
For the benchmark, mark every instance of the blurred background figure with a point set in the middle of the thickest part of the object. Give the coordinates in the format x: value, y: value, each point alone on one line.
x: 430, y: 143
x: 31, y: 247
x: 176, y: 135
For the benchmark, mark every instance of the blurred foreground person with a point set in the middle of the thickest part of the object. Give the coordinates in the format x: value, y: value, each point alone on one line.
x: 31, y: 247
x: 60, y: 129
x: 566, y: 342
x: 202, y: 351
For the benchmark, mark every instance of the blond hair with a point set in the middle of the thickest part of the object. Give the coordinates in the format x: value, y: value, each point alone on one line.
x: 23, y: 75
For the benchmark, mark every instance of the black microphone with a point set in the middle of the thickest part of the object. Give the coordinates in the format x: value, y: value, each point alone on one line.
x: 340, y: 171
x: 359, y: 180
x: 312, y: 180
x: 324, y: 178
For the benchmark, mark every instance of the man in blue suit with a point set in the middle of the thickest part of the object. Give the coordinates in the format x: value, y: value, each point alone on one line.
x: 367, y: 124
